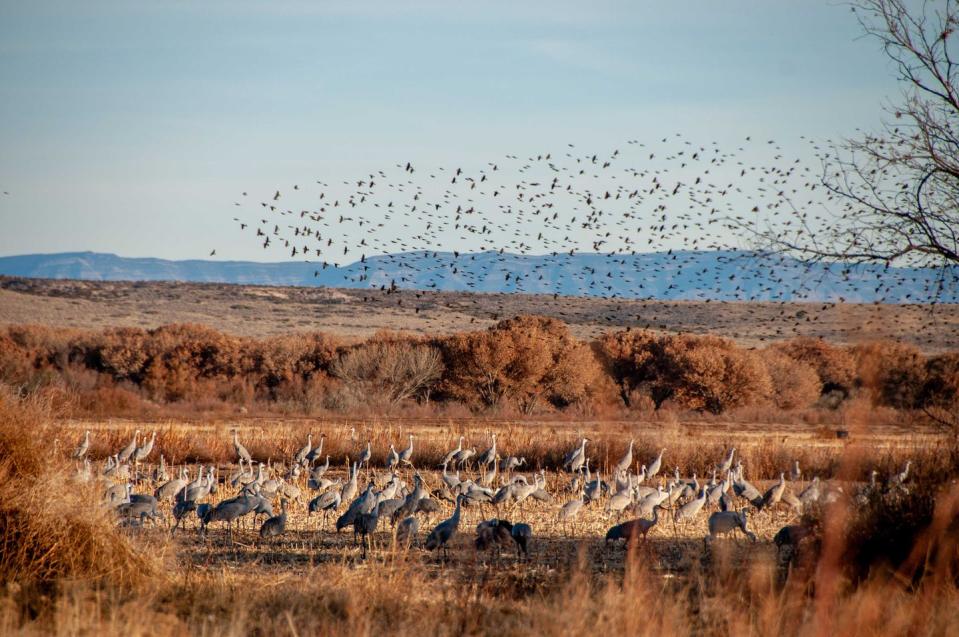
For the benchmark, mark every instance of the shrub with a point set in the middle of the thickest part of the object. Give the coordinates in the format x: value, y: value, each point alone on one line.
x: 794, y: 384
x: 524, y: 360
x: 392, y: 371
x: 835, y: 366
x: 713, y: 374
x: 893, y: 373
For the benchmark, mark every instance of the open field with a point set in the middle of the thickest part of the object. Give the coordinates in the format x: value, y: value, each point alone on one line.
x: 263, y: 311
x: 313, y: 579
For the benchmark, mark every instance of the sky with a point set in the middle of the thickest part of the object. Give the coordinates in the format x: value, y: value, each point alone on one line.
x: 132, y: 128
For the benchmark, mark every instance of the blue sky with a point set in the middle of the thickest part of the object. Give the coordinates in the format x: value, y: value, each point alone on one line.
x: 131, y: 127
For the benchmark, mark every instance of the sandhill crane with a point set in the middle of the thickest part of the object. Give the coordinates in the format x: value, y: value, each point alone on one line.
x: 125, y: 453
x: 899, y: 479
x: 626, y: 461
x: 570, y: 510
x: 412, y: 500
x: 365, y: 456
x: 171, y: 488
x: 316, y: 452
x: 723, y: 522
x: 511, y: 463
x: 276, y: 525
x: 774, y: 493
x: 691, y: 509
x: 619, y: 502
x: 144, y: 450
x: 489, y: 456
x: 522, y: 534
x: 727, y: 463
x: 406, y: 456
x: 632, y: 529
x: 489, y: 478
x: 746, y: 490
x: 443, y: 532
x: 304, y: 451
x: 325, y: 502
x: 451, y: 481
x: 351, y: 486
x: 575, y: 459
x: 83, y: 447
x: 362, y: 504
x: 448, y: 458
x: 365, y: 525
x: 464, y: 456
x: 653, y: 468
x: 491, y: 533
x: 241, y: 452
x: 593, y: 490
x: 392, y: 458
x: 228, y: 511
x: 811, y: 493
x: 406, y: 530
x: 645, y: 505
x: 317, y: 482
x: 795, y: 474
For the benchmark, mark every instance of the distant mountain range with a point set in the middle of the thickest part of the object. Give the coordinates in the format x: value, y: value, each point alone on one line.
x: 685, y: 275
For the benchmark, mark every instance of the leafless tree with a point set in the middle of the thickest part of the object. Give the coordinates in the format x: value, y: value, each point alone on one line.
x: 892, y: 197
x: 393, y: 371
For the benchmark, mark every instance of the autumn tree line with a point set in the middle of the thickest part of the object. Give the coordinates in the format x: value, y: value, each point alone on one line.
x: 527, y: 364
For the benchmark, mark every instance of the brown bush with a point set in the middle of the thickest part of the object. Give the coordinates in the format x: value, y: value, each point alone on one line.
x: 632, y: 358
x: 524, y: 360
x: 893, y: 373
x: 713, y: 374
x: 835, y: 366
x: 795, y: 385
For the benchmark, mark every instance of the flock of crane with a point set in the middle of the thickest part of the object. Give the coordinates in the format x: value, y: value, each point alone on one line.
x: 496, y: 484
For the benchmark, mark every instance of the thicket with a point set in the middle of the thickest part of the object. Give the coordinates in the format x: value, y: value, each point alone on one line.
x: 527, y: 364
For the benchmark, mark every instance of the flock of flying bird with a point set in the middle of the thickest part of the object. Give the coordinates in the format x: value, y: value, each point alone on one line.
x: 673, y: 197
x: 496, y: 483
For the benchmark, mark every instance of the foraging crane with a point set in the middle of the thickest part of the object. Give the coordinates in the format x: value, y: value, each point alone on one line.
x: 276, y: 525
x: 406, y: 530
x: 632, y: 529
x: 723, y: 522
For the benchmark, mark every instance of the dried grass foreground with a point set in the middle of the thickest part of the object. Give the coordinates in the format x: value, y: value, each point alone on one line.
x: 68, y: 569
